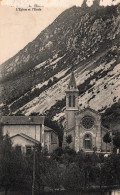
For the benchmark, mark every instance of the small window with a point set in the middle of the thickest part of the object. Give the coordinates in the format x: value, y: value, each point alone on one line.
x: 53, y: 138
x: 70, y: 101
x: 18, y: 149
x: 73, y: 101
x: 28, y: 150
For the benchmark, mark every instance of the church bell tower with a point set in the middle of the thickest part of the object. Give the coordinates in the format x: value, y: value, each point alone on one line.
x: 72, y: 94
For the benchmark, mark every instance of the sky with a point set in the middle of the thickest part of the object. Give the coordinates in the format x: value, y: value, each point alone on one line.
x: 18, y: 28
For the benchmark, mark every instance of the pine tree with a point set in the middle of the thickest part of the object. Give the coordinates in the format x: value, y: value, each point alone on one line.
x: 96, y: 3
x: 84, y: 4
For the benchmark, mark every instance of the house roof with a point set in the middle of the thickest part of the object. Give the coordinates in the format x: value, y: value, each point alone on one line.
x: 25, y: 120
x: 48, y: 129
x: 25, y: 137
x: 22, y: 120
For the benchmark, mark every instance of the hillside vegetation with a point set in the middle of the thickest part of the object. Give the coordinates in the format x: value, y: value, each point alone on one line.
x: 83, y: 39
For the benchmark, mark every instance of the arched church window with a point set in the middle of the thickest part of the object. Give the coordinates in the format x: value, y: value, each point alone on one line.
x: 70, y: 101
x: 73, y: 101
x: 88, y: 141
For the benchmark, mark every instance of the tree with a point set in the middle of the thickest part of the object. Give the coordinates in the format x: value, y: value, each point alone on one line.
x: 108, y: 175
x: 50, y: 82
x: 12, y: 166
x: 116, y: 140
x: 73, y: 178
x: 68, y: 156
x: 5, y: 110
x: 57, y: 154
x: 5, y: 164
x: 34, y: 114
x: 84, y: 4
x: 116, y: 165
x: 69, y: 139
x: 39, y: 167
x: 89, y: 165
x: 96, y: 3
x: 55, y: 79
x: 107, y: 139
x: 52, y: 176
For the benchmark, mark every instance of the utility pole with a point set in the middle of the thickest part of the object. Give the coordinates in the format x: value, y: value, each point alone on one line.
x: 33, y: 184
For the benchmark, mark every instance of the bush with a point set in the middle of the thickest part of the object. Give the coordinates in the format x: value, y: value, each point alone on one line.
x: 52, y: 176
x: 56, y: 155
x: 69, y: 151
x: 68, y: 155
x: 73, y: 178
x: 69, y: 139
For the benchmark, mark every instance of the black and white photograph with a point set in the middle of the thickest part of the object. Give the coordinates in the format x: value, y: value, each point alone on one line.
x: 59, y: 97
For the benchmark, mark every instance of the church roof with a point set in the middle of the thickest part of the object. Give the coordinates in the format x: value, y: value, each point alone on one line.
x: 87, y: 108
x: 72, y: 83
x: 73, y: 128
x: 70, y: 129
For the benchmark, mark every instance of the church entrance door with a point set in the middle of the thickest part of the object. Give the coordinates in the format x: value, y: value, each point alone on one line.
x: 88, y: 142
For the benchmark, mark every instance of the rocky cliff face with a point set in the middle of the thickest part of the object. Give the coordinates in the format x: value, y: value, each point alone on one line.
x: 83, y: 39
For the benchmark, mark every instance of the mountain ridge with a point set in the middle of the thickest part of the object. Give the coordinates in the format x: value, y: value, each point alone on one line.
x: 86, y: 42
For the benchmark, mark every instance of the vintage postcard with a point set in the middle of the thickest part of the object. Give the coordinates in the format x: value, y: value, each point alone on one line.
x: 60, y: 96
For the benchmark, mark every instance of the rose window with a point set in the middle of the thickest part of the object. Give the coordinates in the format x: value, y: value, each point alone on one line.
x: 87, y: 122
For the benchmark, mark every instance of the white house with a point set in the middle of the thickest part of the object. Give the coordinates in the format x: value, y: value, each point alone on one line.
x: 25, y: 131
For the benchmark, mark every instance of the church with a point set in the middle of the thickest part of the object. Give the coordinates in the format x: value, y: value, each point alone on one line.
x: 83, y: 126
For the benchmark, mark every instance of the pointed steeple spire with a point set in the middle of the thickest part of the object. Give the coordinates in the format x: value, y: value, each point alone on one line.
x: 72, y: 83
x: 72, y: 101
